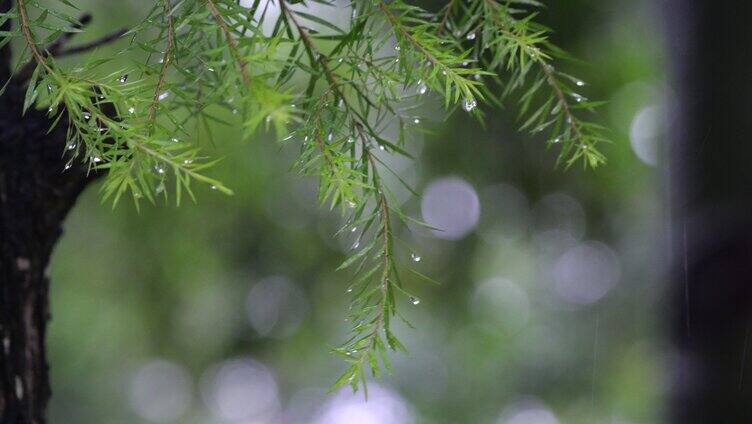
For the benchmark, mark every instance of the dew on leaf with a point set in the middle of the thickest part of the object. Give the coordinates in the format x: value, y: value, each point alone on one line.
x: 469, y: 104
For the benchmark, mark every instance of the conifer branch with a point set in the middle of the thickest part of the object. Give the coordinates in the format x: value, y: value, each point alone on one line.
x: 166, y: 60
x: 353, y: 90
x: 231, y: 43
x: 23, y: 20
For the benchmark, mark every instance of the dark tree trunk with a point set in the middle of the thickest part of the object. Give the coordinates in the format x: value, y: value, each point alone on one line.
x: 711, y: 208
x: 36, y: 193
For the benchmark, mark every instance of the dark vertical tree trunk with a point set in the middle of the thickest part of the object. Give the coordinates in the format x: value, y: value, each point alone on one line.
x: 36, y: 193
x: 711, y: 208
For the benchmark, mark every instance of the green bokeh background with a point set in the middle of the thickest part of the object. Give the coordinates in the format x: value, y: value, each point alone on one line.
x: 172, y: 283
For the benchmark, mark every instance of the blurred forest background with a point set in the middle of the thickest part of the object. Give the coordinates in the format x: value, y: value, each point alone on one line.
x: 548, y: 310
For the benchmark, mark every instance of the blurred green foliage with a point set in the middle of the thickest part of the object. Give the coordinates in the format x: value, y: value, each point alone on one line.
x: 173, y: 283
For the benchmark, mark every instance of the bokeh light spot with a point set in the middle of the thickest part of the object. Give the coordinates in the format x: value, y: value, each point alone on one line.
x: 450, y: 205
x: 585, y: 273
x: 160, y: 391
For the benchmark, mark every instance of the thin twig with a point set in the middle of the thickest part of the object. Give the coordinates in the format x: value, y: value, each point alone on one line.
x: 166, y: 59
x: 23, y: 20
x: 445, y: 17
x: 231, y: 42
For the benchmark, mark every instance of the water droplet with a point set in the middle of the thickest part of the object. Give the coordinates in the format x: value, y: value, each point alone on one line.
x: 471, y: 36
x: 469, y: 104
x: 350, y: 140
x: 234, y: 111
x: 354, y: 13
x: 210, y: 69
x: 268, y: 118
x: 349, y: 289
x: 68, y: 166
x: 557, y: 140
x: 175, y: 140
x: 580, y: 83
x: 305, y: 138
x: 330, y: 136
x: 465, y: 63
x: 123, y: 78
x: 163, y: 95
x: 213, y: 187
x: 96, y: 159
x: 87, y: 115
x: 188, y: 161
x: 356, y: 245
x: 351, y: 204
x: 422, y: 89
x: 159, y: 169
x: 353, y: 229
x: 578, y: 98
x: 49, y: 109
x: 132, y: 110
x: 416, y: 120
x: 477, y: 77
x: 414, y: 300
x: 415, y: 257
x: 71, y: 146
x: 381, y: 147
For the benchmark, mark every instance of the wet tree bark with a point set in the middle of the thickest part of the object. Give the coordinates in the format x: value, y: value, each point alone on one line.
x: 36, y: 193
x: 710, y: 162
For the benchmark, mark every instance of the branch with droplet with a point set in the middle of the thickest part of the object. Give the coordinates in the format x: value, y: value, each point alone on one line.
x: 159, y: 95
x: 231, y: 42
x: 531, y: 45
x: 456, y: 83
x: 362, y: 348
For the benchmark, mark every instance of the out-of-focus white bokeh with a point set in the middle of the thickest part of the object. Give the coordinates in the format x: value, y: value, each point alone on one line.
x: 451, y: 206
